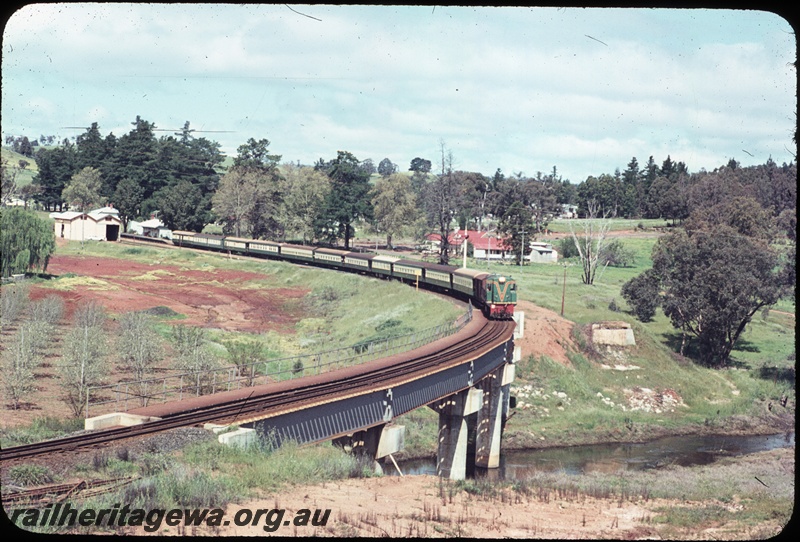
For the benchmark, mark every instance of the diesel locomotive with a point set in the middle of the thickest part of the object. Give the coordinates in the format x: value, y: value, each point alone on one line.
x: 494, y: 294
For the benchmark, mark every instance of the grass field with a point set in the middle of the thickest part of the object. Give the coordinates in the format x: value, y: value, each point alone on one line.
x: 761, y: 370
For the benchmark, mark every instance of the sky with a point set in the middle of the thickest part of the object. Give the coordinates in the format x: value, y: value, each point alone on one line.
x: 519, y: 89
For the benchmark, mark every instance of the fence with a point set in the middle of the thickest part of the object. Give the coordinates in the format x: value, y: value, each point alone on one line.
x: 140, y: 393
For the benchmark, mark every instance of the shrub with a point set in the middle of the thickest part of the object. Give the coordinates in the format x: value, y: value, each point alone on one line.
x: 567, y: 249
x: 30, y: 475
x: 641, y: 293
x: 616, y: 254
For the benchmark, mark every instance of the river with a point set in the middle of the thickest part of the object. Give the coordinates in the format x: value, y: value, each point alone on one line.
x: 679, y: 450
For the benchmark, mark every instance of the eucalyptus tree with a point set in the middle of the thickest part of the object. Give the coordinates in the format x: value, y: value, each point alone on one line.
x: 395, y: 205
x: 248, y: 200
x: 305, y: 191
x: 590, y: 238
x: 83, y: 190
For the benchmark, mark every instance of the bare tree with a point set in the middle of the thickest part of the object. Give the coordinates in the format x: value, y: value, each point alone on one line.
x: 17, y: 367
x: 591, y: 240
x: 83, y: 363
x: 443, y: 197
x: 195, y: 356
x: 140, y: 348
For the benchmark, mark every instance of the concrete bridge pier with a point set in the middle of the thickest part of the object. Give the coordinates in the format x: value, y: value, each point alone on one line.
x: 451, y: 456
x: 374, y: 443
x: 488, y: 400
x: 490, y: 421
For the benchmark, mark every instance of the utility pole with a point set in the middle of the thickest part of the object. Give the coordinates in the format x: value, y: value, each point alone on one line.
x: 522, y: 250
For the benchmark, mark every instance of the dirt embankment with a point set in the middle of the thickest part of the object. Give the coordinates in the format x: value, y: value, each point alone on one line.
x: 217, y: 298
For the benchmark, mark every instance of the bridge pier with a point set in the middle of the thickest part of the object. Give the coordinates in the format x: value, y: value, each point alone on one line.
x: 490, y: 418
x: 451, y: 456
x: 489, y: 400
x: 374, y: 442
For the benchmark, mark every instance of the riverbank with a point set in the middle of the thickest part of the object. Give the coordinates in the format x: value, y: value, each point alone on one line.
x: 740, y: 425
x: 749, y: 497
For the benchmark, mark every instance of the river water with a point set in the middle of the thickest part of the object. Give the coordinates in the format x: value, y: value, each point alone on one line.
x: 610, y: 458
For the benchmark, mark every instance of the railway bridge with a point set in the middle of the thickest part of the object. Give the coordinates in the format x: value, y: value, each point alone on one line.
x: 465, y: 378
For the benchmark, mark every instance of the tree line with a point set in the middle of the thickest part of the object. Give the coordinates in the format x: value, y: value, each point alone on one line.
x: 188, y: 183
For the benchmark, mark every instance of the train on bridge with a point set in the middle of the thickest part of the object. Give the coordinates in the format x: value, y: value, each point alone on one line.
x: 495, y: 294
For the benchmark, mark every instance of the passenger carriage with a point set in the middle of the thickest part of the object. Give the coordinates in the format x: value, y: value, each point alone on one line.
x: 330, y: 256
x: 358, y: 261
x: 266, y: 248
x: 382, y: 264
x: 206, y: 240
x: 297, y: 252
x: 182, y: 238
x: 470, y: 282
x: 408, y: 270
x: 237, y: 244
x: 438, y: 275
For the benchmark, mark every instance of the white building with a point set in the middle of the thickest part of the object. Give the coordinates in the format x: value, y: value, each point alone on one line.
x: 101, y: 224
x: 542, y: 253
x: 150, y: 228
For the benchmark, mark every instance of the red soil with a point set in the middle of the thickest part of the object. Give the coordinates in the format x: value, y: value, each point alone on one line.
x: 216, y: 298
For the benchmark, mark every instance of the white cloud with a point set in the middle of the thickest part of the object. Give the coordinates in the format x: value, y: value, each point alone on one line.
x: 518, y: 89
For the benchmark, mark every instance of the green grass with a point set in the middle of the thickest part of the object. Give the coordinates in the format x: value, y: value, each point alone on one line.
x: 617, y: 224
x: 42, y: 428
x: 761, y: 363
x: 24, y: 176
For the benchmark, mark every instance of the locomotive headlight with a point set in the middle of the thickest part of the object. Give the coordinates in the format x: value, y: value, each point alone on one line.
x: 501, y: 280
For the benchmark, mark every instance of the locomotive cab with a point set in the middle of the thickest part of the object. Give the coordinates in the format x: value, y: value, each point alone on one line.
x: 501, y: 296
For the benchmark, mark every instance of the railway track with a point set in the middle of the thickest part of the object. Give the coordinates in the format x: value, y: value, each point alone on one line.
x: 478, y: 337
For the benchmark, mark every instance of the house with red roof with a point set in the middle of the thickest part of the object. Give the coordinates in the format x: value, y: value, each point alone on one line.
x: 485, y: 245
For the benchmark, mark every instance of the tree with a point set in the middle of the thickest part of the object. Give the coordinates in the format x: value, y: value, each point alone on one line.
x: 56, y: 167
x: 249, y: 197
x: 135, y: 156
x: 304, y: 194
x: 8, y: 187
x: 139, y: 347
x: 243, y: 354
x: 128, y: 198
x: 420, y: 165
x: 641, y: 293
x: 83, y: 189
x: 83, y: 363
x: 16, y: 368
x: 515, y: 225
x: 248, y: 201
x: 195, y: 356
x: 443, y: 198
x: 386, y: 168
x: 348, y: 200
x: 182, y: 206
x: 591, y: 240
x: 394, y: 204
x: 710, y: 285
x: 26, y: 240
x: 255, y: 155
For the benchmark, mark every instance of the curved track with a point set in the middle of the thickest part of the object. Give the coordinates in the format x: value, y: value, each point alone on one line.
x: 478, y: 337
